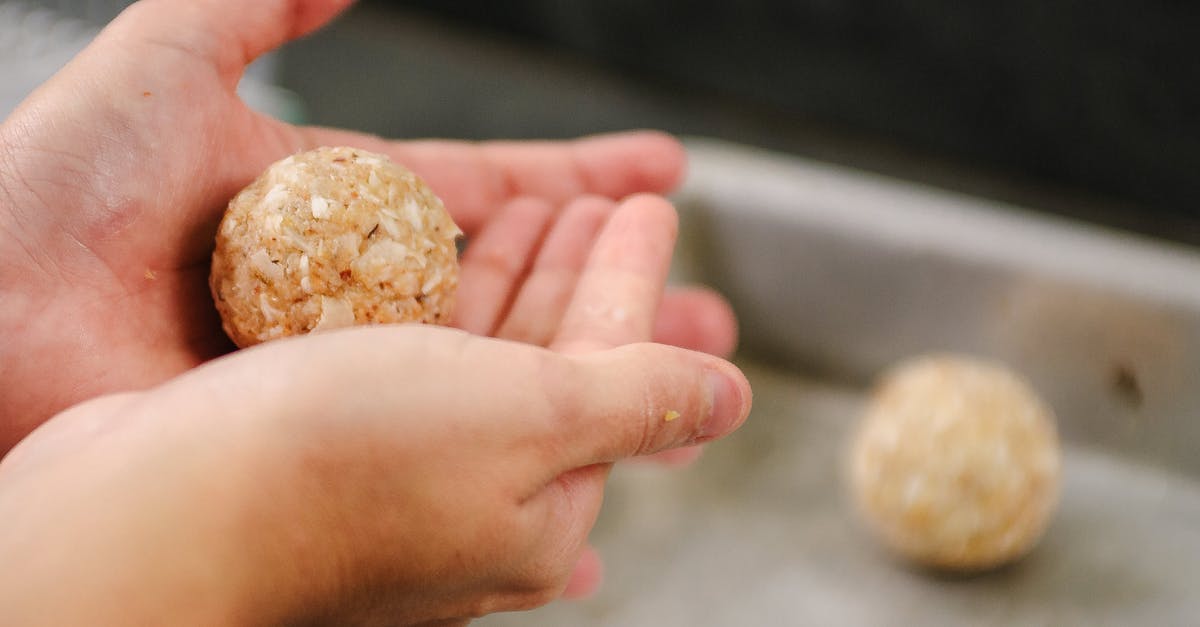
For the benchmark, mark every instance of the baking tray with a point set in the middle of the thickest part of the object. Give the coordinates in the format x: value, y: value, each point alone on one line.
x: 837, y: 274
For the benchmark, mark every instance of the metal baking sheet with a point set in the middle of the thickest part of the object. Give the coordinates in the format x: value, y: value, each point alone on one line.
x: 837, y: 274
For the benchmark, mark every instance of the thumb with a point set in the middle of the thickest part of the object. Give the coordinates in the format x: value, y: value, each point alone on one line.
x: 228, y: 34
x: 644, y: 398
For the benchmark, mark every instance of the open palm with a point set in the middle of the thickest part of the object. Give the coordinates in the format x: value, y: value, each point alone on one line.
x: 115, y: 174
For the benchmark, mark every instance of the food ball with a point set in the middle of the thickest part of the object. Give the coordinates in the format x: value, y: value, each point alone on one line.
x: 956, y: 464
x: 331, y: 238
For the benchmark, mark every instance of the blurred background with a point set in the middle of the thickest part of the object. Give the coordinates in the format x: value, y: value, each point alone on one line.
x: 1085, y: 109
x: 869, y: 181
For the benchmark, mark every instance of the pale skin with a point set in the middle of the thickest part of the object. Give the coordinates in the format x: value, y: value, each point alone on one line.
x: 387, y: 475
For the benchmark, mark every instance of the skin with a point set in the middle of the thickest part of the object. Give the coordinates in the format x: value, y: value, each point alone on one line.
x: 399, y: 475
x: 99, y: 172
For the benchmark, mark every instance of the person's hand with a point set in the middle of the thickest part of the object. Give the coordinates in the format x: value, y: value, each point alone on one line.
x: 114, y: 174
x: 382, y: 475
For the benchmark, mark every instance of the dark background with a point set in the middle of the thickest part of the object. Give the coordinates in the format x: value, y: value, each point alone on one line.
x: 1102, y: 95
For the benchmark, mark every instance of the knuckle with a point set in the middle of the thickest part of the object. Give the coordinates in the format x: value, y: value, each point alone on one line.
x: 645, y: 430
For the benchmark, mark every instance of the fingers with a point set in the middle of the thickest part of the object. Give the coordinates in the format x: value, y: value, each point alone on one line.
x: 617, y: 297
x: 228, y: 34
x: 645, y: 398
x: 543, y: 299
x: 693, y: 318
x: 696, y: 318
x: 495, y: 263
x: 475, y: 179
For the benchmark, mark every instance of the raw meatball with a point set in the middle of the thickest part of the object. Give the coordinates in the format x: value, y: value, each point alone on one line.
x: 956, y: 464
x: 331, y: 238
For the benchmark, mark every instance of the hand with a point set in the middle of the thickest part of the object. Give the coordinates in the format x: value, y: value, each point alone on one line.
x: 114, y: 174
x: 381, y: 475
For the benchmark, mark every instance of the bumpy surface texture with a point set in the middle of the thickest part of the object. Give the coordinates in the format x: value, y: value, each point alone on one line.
x: 331, y: 238
x: 956, y: 464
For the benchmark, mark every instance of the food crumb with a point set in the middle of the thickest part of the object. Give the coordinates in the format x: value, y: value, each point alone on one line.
x: 670, y: 415
x: 149, y: 274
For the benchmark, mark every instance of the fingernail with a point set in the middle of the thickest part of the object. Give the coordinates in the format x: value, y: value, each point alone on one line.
x: 725, y: 403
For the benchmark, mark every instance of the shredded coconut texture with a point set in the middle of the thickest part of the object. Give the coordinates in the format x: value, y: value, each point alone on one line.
x: 956, y: 464
x: 331, y: 238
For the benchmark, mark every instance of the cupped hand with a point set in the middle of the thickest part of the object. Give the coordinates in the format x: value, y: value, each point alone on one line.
x: 384, y: 475
x: 113, y: 176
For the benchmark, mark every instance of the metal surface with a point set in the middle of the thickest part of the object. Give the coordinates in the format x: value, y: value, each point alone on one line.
x: 843, y: 273
x: 758, y: 533
x: 836, y: 275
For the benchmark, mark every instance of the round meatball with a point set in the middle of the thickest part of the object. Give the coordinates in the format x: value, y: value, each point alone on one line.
x: 331, y: 238
x: 956, y: 463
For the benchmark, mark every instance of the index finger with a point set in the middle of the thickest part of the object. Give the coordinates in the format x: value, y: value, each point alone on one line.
x: 616, y: 300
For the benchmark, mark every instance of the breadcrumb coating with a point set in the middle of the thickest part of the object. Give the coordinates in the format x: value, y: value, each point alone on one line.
x: 330, y: 238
